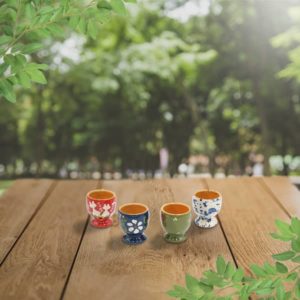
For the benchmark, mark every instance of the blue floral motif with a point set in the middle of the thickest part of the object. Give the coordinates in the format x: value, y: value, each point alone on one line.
x: 206, y: 211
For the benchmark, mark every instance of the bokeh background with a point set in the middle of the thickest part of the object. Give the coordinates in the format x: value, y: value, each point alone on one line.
x: 178, y: 88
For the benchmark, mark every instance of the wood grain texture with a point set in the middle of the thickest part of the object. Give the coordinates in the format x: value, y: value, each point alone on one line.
x: 106, y: 268
x: 285, y: 192
x: 17, y: 206
x: 39, y: 264
x: 248, y: 215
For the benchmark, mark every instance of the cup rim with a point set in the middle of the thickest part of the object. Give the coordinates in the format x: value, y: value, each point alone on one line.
x: 88, y: 195
x: 162, y: 209
x: 133, y: 203
x: 206, y: 190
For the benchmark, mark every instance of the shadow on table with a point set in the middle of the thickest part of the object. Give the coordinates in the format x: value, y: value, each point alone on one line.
x: 79, y: 226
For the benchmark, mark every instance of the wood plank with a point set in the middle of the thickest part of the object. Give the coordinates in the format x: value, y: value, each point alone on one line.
x: 39, y: 264
x: 248, y: 216
x: 108, y: 269
x: 285, y: 192
x: 17, y: 206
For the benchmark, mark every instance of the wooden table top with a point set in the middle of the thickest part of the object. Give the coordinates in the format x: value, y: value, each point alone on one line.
x: 48, y: 250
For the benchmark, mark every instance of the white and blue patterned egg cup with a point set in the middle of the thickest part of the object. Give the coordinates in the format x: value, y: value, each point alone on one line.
x: 206, y: 204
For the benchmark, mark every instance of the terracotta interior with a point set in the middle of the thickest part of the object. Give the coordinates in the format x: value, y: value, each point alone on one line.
x: 133, y: 209
x: 100, y: 195
x: 176, y: 208
x: 207, y: 195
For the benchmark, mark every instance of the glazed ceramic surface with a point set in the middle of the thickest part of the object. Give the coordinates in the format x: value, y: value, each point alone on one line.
x: 207, y: 204
x: 134, y: 218
x: 101, y: 205
x: 175, y: 220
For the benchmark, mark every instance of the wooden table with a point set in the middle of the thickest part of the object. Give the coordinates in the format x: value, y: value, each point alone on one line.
x: 48, y: 250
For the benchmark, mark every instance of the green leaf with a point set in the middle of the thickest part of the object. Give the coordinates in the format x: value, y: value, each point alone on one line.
x: 3, y: 67
x: 280, y: 237
x: 280, y: 292
x: 24, y: 79
x: 283, y: 227
x: 257, y: 270
x: 42, y: 66
x: 277, y: 282
x: 9, y: 59
x: 254, y: 285
x: 287, y: 295
x: 6, y: 89
x: 73, y: 21
x: 34, y: 66
x: 266, y: 283
x: 131, y: 1
x: 244, y: 295
x: 291, y: 277
x: 17, y: 47
x: 297, y: 290
x: 271, y: 270
x: 284, y: 255
x: 119, y: 7
x: 92, y: 29
x: 13, y: 80
x: 36, y: 76
x: 296, y: 245
x: 193, y: 286
x: 82, y: 25
x: 229, y: 271
x: 281, y: 268
x: 29, y: 11
x: 181, y: 292
x: 205, y: 287
x: 5, y: 39
x: 295, y: 225
x: 238, y: 276
x: 174, y: 293
x: 46, y: 10
x: 21, y: 59
x: 32, y: 48
x: 264, y: 291
x: 221, y: 265
x: 296, y: 259
x: 55, y: 29
x: 103, y: 4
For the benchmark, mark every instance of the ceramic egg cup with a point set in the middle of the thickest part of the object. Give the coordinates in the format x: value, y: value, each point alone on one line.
x: 206, y: 204
x: 133, y: 218
x: 175, y: 220
x: 100, y: 205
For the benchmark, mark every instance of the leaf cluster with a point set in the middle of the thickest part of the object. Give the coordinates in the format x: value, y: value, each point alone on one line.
x: 269, y: 281
x: 25, y: 25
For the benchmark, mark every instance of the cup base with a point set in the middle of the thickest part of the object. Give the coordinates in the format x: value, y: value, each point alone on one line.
x: 174, y: 238
x: 206, y: 223
x: 101, y: 223
x: 134, y: 239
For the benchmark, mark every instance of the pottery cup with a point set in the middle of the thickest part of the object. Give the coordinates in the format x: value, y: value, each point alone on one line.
x: 101, y: 206
x: 206, y: 204
x: 175, y: 220
x: 133, y: 218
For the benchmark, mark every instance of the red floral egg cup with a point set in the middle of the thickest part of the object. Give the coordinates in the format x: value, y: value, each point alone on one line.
x: 101, y: 205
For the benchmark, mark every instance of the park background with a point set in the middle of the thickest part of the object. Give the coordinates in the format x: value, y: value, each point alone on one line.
x: 176, y: 88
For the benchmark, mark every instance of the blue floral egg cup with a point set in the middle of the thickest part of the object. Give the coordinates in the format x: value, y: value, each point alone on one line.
x: 133, y: 218
x: 207, y: 204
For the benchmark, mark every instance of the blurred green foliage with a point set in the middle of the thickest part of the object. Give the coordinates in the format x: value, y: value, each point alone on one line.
x: 212, y: 85
x: 24, y: 25
x: 4, y: 184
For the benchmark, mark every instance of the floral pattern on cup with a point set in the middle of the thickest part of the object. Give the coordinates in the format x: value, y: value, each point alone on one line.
x: 134, y: 219
x: 206, y: 205
x: 135, y: 226
x: 101, y: 205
